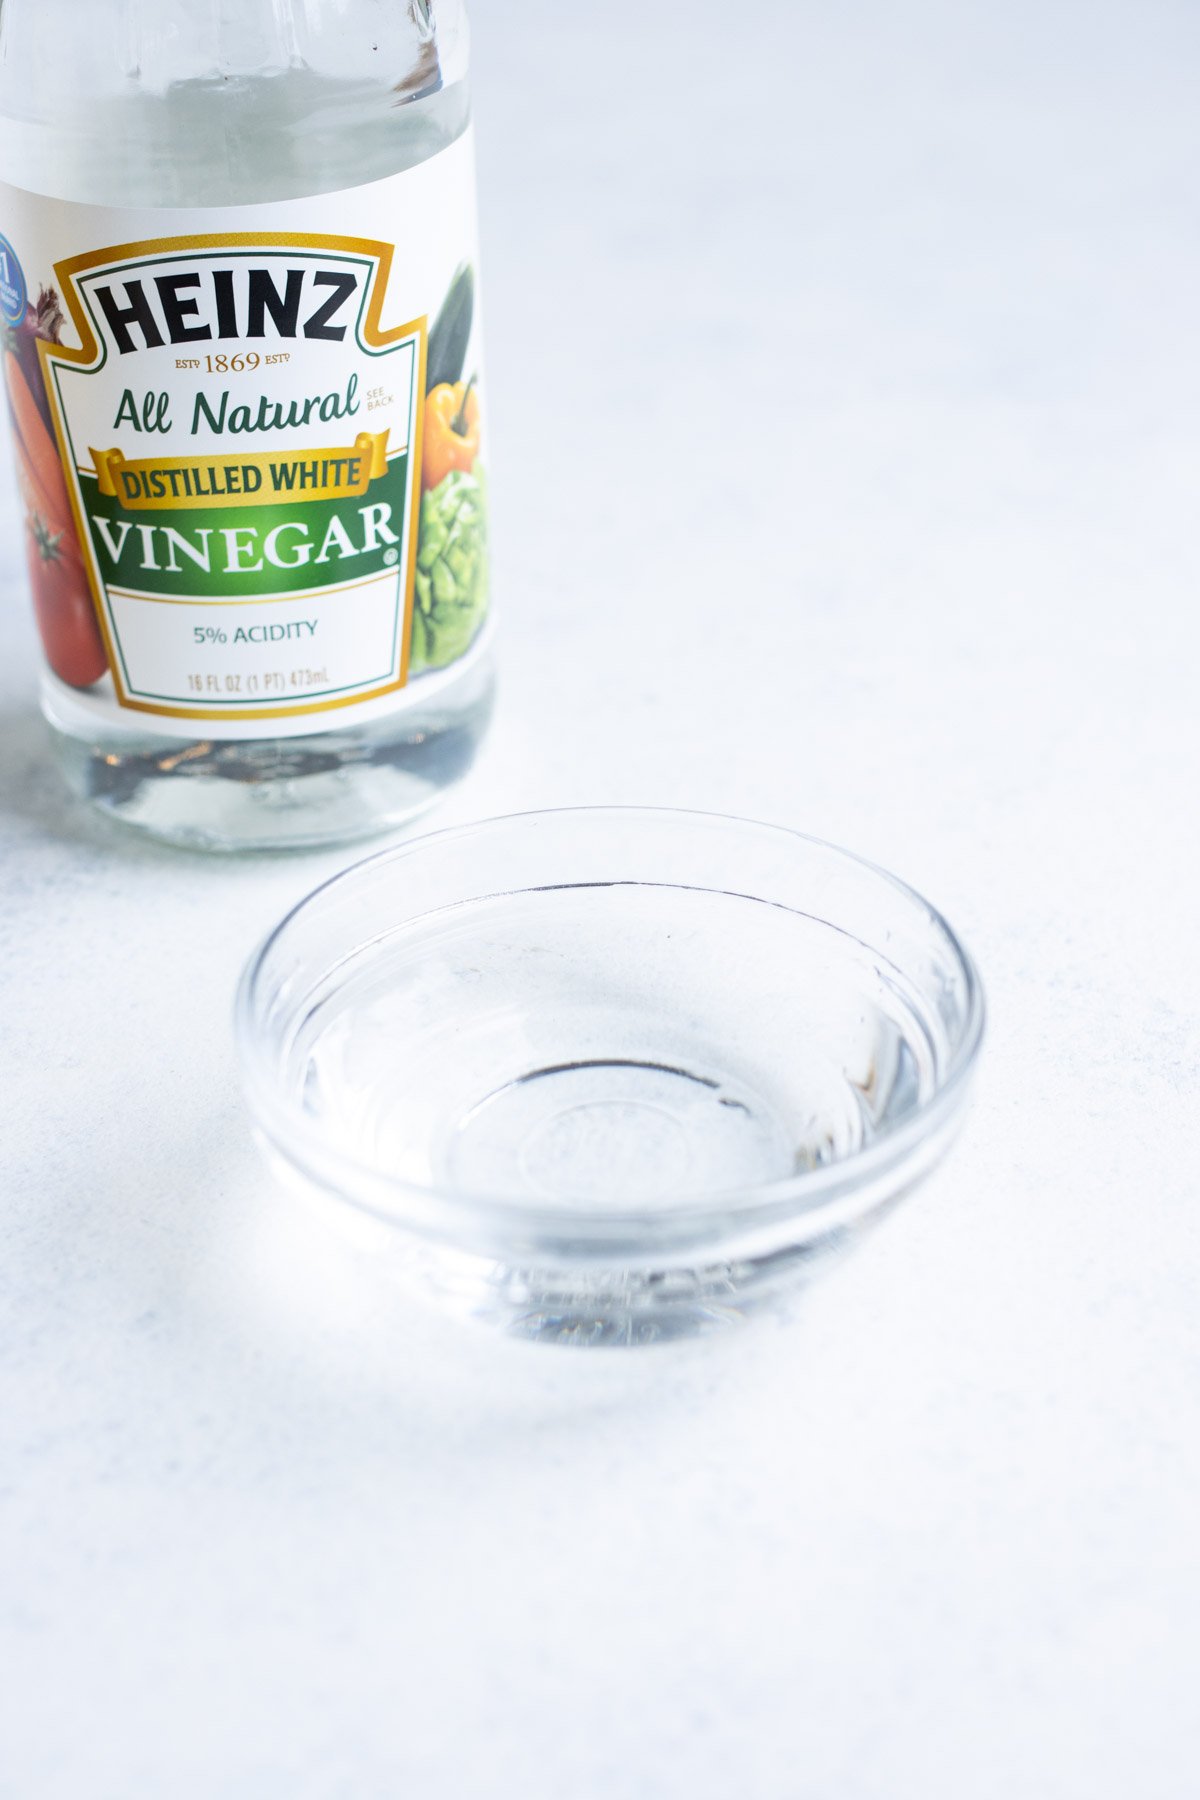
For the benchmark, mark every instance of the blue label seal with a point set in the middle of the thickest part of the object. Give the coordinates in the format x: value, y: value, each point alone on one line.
x: 13, y: 292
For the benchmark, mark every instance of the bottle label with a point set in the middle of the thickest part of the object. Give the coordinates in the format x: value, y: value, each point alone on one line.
x: 248, y: 449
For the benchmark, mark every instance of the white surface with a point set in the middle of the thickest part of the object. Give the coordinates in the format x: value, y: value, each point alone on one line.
x: 846, y: 460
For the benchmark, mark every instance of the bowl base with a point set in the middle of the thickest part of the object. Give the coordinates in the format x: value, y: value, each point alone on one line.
x: 614, y: 1309
x: 582, y: 1132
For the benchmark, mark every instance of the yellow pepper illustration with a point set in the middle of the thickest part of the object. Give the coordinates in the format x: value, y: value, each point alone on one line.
x: 451, y: 431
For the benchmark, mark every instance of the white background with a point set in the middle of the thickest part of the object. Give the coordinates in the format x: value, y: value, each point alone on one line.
x: 844, y: 384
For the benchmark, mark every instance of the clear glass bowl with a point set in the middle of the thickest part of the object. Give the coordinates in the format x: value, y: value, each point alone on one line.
x: 610, y: 1076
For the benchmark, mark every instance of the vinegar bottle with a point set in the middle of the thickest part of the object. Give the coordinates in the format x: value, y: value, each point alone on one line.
x: 239, y: 288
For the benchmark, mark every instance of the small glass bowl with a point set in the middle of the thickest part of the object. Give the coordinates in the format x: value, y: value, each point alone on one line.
x: 610, y: 1075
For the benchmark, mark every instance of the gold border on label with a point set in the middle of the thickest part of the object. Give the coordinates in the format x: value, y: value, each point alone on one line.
x: 375, y: 337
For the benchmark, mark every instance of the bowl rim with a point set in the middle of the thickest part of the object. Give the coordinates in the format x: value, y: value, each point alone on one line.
x: 848, y: 1187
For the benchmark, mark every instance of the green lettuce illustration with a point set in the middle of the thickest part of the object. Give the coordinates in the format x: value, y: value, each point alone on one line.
x: 451, y: 586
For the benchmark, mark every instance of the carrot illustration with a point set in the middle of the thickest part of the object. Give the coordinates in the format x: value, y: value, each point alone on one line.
x: 37, y: 456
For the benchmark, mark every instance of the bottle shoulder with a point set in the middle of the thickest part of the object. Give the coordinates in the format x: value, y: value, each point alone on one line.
x: 226, y: 118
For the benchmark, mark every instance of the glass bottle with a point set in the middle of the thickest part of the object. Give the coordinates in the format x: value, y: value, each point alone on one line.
x: 237, y: 253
